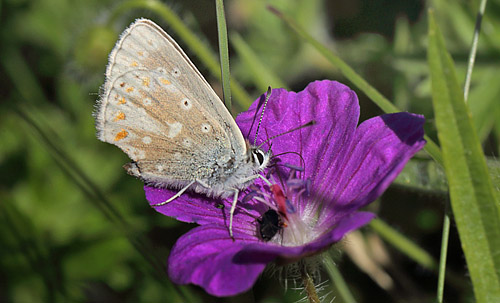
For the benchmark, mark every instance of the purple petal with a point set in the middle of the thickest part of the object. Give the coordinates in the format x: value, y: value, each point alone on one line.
x: 380, y: 149
x: 344, y: 168
x: 207, y: 257
x: 195, y: 208
x: 322, y: 146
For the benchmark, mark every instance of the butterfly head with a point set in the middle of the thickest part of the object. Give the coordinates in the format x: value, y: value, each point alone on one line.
x: 259, y: 158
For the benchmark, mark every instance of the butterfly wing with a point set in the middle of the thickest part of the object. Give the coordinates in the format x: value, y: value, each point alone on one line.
x: 162, y: 113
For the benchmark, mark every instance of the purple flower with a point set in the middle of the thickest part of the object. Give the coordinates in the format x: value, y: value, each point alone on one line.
x: 326, y: 172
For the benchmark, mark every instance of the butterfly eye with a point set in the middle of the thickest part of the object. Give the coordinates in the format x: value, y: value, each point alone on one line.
x: 259, y: 157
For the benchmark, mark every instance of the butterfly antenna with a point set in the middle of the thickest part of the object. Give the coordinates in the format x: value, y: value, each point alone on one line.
x: 312, y: 122
x: 268, y: 95
x: 302, y: 161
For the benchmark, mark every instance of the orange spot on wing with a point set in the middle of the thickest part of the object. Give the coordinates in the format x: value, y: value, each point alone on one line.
x: 122, y: 101
x: 120, y: 116
x: 129, y: 89
x: 165, y: 81
x: 121, y: 135
x: 134, y: 64
x: 145, y: 81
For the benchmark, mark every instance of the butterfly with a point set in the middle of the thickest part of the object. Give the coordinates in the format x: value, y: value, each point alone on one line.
x: 157, y: 107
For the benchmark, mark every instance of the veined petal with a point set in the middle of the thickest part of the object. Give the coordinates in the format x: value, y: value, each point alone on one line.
x: 196, y: 208
x: 322, y: 147
x: 381, y: 148
x: 208, y: 257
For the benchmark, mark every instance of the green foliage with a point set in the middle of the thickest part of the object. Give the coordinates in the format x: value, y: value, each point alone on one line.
x: 472, y: 195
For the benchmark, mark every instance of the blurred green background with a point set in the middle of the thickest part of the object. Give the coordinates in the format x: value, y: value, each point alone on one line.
x: 74, y: 227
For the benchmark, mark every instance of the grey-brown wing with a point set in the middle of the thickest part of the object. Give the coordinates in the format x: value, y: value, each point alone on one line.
x: 144, y: 45
x: 170, y: 136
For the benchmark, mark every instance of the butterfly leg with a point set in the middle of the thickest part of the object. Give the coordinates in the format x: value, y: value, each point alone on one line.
x: 177, y: 195
x: 202, y: 183
x: 264, y: 179
x: 231, y: 213
x: 235, y: 200
x: 254, y: 177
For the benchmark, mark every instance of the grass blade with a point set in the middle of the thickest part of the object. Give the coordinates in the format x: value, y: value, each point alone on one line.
x: 223, y: 52
x: 337, y: 279
x: 472, y: 195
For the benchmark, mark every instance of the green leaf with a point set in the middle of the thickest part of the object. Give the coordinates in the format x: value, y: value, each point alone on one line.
x: 473, y: 200
x: 423, y: 175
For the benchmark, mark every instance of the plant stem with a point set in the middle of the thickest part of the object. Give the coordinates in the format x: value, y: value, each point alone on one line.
x: 223, y: 52
x: 473, y: 49
x: 444, y: 252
